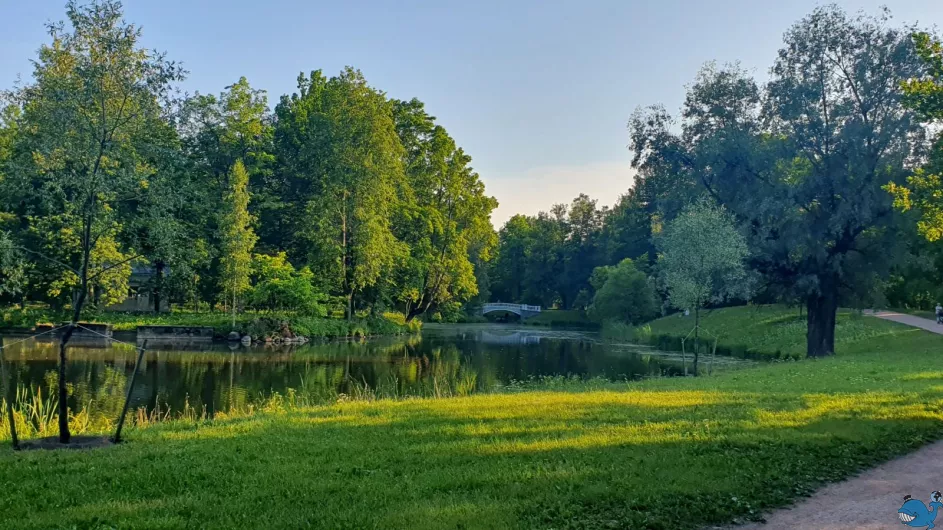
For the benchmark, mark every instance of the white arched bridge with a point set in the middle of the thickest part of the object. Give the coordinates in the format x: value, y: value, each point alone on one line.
x: 522, y: 310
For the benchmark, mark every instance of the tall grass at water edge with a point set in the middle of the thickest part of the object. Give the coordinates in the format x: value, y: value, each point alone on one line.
x: 36, y: 413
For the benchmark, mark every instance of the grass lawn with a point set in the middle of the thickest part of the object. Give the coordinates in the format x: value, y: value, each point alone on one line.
x: 779, y: 332
x: 662, y: 453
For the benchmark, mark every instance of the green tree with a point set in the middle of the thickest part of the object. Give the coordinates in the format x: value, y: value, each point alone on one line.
x: 924, y: 93
x: 341, y: 157
x: 237, y: 239
x: 623, y: 294
x: 277, y: 285
x: 216, y: 131
x: 89, y: 117
x: 701, y: 260
x: 443, y: 218
x: 801, y: 162
x: 924, y: 189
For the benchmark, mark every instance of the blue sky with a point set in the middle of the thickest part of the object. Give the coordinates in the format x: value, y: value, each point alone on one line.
x: 538, y: 92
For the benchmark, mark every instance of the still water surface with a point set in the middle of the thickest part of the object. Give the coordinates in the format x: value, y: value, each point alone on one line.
x: 212, y: 377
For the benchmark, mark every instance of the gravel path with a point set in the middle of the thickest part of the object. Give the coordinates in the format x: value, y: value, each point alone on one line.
x: 910, y: 320
x: 870, y: 500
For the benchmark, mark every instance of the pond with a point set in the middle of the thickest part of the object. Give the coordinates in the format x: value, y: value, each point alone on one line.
x: 207, y: 378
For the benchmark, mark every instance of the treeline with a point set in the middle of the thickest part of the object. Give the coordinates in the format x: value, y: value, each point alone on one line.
x: 338, y: 197
x: 830, y: 172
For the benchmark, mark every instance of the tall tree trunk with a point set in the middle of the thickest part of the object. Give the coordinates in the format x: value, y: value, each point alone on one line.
x: 821, y: 310
x: 78, y: 302
x: 350, y: 305
x: 697, y: 329
x: 234, y: 306
x: 158, y: 284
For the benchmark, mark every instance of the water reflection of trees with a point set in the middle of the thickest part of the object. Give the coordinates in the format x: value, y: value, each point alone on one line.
x: 218, y: 378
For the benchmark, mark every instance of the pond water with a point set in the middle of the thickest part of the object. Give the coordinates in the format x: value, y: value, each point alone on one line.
x: 212, y: 377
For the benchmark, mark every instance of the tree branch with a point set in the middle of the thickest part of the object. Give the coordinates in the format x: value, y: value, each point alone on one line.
x: 108, y: 268
x: 45, y: 257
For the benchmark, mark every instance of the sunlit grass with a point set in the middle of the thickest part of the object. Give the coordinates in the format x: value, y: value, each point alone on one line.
x: 778, y: 332
x: 662, y: 453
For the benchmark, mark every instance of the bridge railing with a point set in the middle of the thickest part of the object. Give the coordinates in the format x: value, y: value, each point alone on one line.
x: 510, y: 307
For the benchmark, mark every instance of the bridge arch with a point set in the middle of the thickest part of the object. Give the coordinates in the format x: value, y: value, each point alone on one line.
x: 522, y: 310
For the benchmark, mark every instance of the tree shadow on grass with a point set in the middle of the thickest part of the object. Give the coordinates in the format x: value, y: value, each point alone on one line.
x: 596, y: 461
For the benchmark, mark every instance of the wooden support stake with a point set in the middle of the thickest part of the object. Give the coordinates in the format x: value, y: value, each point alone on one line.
x: 127, y: 400
x: 9, y: 401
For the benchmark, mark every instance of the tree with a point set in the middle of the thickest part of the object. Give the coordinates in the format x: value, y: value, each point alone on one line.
x: 237, y: 239
x: 581, y: 248
x: 94, y: 107
x: 12, y: 268
x: 701, y: 260
x: 924, y: 94
x: 623, y: 294
x: 801, y: 162
x: 276, y: 285
x: 341, y: 157
x: 443, y: 215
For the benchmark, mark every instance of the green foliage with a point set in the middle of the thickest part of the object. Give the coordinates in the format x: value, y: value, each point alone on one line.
x: 268, y: 323
x: 101, y: 166
x: 547, y: 259
x: 277, y: 286
x: 701, y: 257
x: 801, y: 161
x: 443, y: 218
x: 923, y: 190
x: 625, y: 295
x: 12, y: 267
x: 562, y: 318
x: 237, y: 238
x: 924, y: 93
x: 349, y: 158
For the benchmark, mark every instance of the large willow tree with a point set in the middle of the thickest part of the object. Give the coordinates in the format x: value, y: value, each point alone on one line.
x: 801, y: 161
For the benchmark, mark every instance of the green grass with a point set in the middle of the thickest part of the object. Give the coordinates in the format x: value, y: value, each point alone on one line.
x: 562, y: 318
x: 663, y: 453
x: 778, y: 332
x: 257, y: 324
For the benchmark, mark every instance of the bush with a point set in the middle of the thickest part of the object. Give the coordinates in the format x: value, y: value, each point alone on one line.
x: 277, y: 286
x: 626, y: 295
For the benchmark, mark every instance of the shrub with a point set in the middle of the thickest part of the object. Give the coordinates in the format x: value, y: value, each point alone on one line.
x: 277, y: 286
x: 626, y: 295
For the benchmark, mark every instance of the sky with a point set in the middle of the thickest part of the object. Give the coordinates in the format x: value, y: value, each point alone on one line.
x: 538, y: 92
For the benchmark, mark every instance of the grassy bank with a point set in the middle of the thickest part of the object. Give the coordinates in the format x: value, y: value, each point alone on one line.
x: 562, y: 318
x: 776, y: 332
x: 663, y: 453
x: 255, y: 324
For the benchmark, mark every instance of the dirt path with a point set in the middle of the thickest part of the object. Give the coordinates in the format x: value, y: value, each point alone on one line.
x: 870, y: 500
x: 910, y: 320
